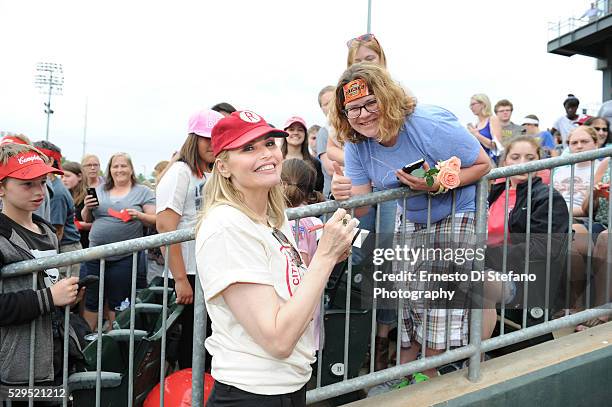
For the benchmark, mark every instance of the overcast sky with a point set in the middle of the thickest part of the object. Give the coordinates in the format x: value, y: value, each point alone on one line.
x: 145, y: 66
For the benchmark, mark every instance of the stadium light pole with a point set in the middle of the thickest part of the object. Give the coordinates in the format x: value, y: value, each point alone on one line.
x: 49, y: 80
x: 369, y: 17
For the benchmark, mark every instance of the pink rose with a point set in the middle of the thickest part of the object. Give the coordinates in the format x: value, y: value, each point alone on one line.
x: 448, y: 178
x: 453, y: 163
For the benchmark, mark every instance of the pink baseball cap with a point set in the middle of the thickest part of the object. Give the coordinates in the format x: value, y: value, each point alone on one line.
x: 295, y: 119
x: 203, y: 121
x: 239, y: 128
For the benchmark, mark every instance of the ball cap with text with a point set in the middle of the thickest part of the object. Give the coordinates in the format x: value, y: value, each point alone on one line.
x: 239, y: 128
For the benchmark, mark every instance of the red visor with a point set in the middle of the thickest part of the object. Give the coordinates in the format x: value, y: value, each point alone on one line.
x: 27, y: 165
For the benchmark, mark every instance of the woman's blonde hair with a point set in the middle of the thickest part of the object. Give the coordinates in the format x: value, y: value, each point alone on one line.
x: 372, y: 44
x: 393, y: 103
x: 220, y: 190
x: 484, y: 99
x: 79, y: 191
x: 589, y: 130
x: 87, y: 157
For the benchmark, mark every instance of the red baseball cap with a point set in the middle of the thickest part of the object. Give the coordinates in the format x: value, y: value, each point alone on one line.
x: 26, y: 165
x: 295, y: 119
x: 239, y: 128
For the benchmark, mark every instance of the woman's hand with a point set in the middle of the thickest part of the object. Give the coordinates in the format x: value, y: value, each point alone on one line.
x: 337, y: 236
x: 472, y: 129
x: 601, y: 190
x: 417, y: 183
x: 90, y: 202
x: 135, y: 214
x: 340, y: 185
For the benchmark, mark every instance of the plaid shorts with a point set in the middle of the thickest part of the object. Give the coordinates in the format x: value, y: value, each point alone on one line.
x: 425, y: 319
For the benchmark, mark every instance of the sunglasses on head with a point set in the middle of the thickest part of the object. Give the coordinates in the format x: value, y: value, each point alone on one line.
x: 282, y: 239
x: 361, y: 38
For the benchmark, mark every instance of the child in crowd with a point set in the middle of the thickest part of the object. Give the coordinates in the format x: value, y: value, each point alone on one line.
x: 299, y: 182
x: 24, y: 236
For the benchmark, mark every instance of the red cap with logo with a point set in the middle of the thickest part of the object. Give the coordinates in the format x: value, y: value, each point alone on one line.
x: 239, y: 128
x: 26, y: 165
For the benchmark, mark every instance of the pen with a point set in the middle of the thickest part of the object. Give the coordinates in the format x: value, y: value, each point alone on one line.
x: 316, y: 227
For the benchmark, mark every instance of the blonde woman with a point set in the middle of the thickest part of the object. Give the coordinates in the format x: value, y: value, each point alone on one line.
x: 259, y: 294
x: 487, y: 129
x: 90, y: 163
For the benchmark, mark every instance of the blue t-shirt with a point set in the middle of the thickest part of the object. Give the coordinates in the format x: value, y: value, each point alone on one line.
x: 430, y: 132
x: 547, y: 140
x: 62, y: 212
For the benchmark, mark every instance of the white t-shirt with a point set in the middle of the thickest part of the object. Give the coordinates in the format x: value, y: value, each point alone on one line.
x: 231, y: 248
x: 565, y: 126
x: 562, y: 178
x: 181, y: 190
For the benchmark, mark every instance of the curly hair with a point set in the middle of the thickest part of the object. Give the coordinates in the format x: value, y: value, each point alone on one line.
x: 394, y: 104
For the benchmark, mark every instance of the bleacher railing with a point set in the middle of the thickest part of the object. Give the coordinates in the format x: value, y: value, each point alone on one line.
x: 99, y: 379
x: 559, y: 28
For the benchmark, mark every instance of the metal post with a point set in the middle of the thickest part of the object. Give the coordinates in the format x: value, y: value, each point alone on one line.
x: 476, y: 314
x: 48, y: 104
x: 369, y: 16
x: 199, y: 352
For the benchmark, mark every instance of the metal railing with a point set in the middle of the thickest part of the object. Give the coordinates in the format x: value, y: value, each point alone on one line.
x: 557, y: 29
x: 99, y: 379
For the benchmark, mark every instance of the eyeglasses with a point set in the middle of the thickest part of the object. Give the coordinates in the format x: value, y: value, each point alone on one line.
x: 601, y: 129
x: 474, y: 104
x: 282, y: 239
x: 355, y: 112
x: 504, y: 111
x: 91, y: 165
x: 361, y: 38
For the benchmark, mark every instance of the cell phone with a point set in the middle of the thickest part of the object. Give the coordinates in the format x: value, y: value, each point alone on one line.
x: 92, y: 192
x: 408, y: 168
x: 88, y: 280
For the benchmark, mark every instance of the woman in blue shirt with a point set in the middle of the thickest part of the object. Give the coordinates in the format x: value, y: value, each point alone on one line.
x: 383, y: 129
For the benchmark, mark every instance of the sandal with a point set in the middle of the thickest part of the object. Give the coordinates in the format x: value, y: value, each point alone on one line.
x: 589, y: 324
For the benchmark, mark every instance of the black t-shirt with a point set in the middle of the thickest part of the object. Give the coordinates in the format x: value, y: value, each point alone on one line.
x: 35, y: 241
x: 40, y: 244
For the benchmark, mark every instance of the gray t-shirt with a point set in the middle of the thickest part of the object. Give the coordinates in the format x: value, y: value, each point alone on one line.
x: 510, y: 130
x: 109, y: 229
x: 322, y: 136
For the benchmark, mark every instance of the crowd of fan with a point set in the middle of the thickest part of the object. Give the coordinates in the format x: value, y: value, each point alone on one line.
x: 89, y: 207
